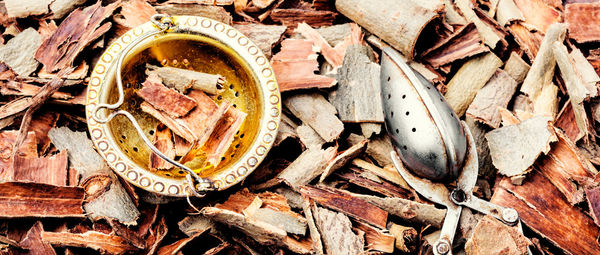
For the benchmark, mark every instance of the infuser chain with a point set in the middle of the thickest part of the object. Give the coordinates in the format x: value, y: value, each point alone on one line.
x: 198, y: 186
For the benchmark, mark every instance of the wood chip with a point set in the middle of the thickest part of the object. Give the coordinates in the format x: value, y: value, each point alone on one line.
x: 223, y: 134
x: 593, y: 200
x: 469, y: 79
x: 393, y: 21
x: 542, y: 70
x: 265, y: 36
x: 33, y: 241
x: 308, y: 206
x: 27, y: 150
x: 508, y: 12
x: 406, y: 237
x: 310, y: 164
x: 577, y: 88
x: 316, y: 112
x: 333, y: 56
x: 50, y: 170
x: 489, y: 33
x: 309, y: 137
x: 491, y: 236
x: 211, y: 11
x: 336, y: 230
x: 516, y: 67
x: 538, y: 13
x: 76, y: 31
x: 540, y: 206
x: 565, y: 168
x: 498, y: 92
x: 358, y: 79
x: 60, y: 8
x: 343, y: 158
x: 346, y: 203
x: 376, y: 239
x: 162, y: 98
x: 101, y: 242
x: 182, y: 79
x: 133, y: 13
x: 408, y: 210
x: 463, y: 43
x: 293, y: 17
x: 22, y: 9
x: 580, y: 17
x: 262, y: 232
x: 18, y: 53
x: 106, y: 197
x: 529, y: 41
x: 515, y: 148
x: 163, y: 141
x: 295, y: 65
x: 26, y: 199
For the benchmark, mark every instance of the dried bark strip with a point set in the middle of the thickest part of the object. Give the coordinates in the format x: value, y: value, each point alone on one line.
x: 516, y: 67
x: 406, y: 237
x: 50, y: 170
x: 106, y: 197
x: 593, y: 200
x: 165, y: 99
x: 463, y: 43
x: 376, y: 239
x: 508, y: 12
x: 564, y: 167
x: 163, y: 141
x: 358, y: 79
x: 343, y: 158
x: 309, y: 137
x: 581, y: 18
x: 540, y: 206
x: 316, y: 112
x: 383, y: 187
x: 223, y: 134
x: 293, y: 17
x: 515, y: 148
x: 33, y: 241
x: 538, y: 14
x: 469, y: 79
x: 265, y: 36
x: 498, y: 92
x: 542, y: 69
x: 101, y: 242
x: 27, y: 150
x: 217, y: 13
x: 346, y: 203
x: 24, y: 199
x: 392, y: 21
x: 488, y: 32
x: 576, y: 87
x: 310, y: 164
x: 308, y: 206
x: 263, y: 233
x: 335, y: 57
x: 182, y: 79
x: 295, y: 66
x: 336, y: 230
x: 408, y: 210
x: 75, y: 32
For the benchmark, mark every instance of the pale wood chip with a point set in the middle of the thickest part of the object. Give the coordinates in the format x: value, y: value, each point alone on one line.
x: 515, y: 148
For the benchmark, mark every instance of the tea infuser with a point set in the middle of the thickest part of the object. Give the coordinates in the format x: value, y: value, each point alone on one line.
x: 432, y: 146
x: 201, y: 43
